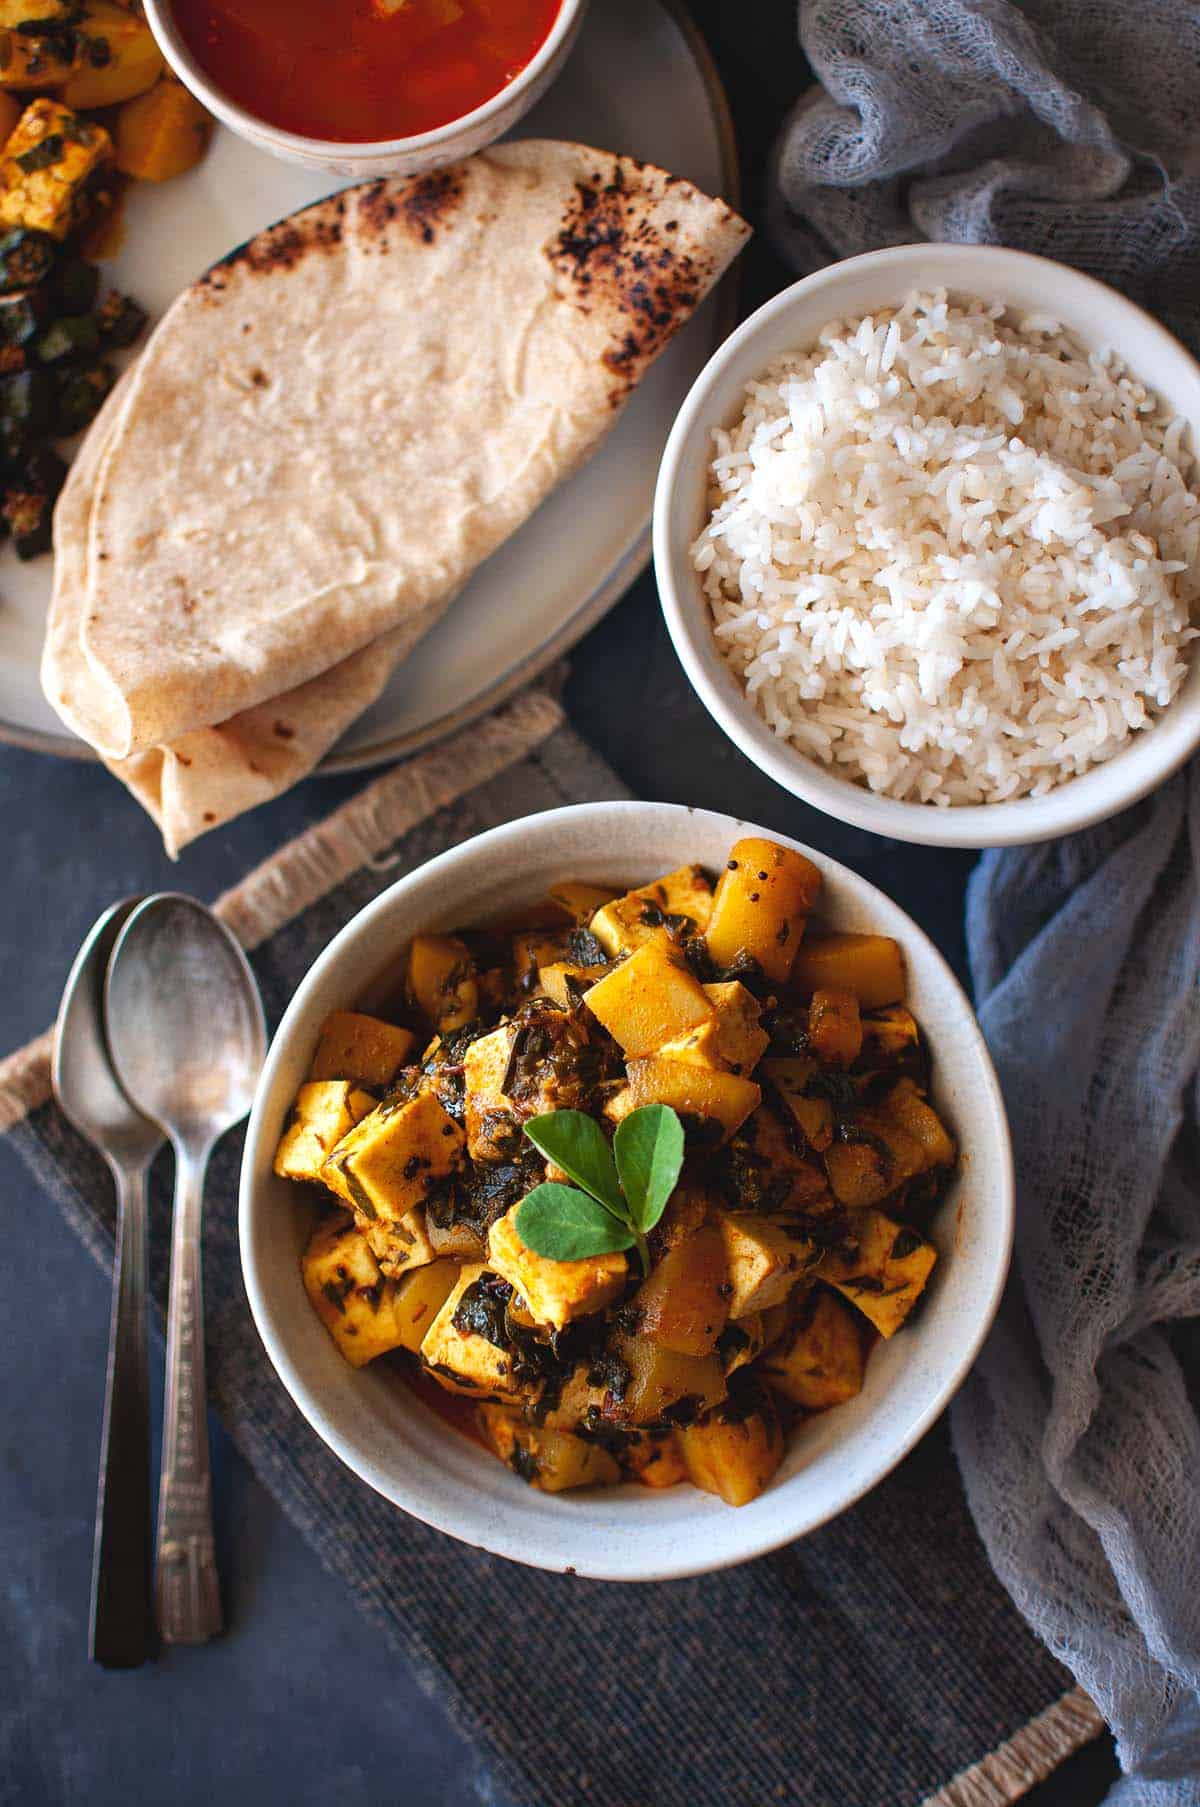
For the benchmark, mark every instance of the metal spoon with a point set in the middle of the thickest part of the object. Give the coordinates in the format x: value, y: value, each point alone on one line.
x: 121, y: 1631
x: 187, y: 1036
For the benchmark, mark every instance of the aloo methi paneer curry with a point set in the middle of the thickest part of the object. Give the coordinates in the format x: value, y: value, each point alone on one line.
x: 793, y: 1235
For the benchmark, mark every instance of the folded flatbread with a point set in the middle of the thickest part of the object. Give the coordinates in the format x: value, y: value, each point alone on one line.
x: 325, y: 437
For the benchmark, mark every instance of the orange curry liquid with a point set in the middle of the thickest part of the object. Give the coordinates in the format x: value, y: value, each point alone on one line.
x: 363, y: 70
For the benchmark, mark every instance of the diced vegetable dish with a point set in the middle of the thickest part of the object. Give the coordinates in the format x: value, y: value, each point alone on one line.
x: 643, y: 1175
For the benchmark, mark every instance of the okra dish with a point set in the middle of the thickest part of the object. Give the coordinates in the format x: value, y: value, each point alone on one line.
x: 632, y: 1184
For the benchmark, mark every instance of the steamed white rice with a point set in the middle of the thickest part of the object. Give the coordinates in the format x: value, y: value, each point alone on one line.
x: 952, y: 553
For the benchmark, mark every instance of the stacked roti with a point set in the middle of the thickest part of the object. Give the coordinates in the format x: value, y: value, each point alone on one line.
x: 326, y: 436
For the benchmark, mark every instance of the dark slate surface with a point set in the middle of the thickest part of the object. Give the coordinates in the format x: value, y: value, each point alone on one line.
x: 301, y: 1701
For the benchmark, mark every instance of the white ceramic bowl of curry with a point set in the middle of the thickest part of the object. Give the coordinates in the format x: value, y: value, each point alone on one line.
x: 398, y: 1445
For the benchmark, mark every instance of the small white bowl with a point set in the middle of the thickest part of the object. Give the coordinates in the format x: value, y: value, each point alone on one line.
x: 790, y: 322
x: 384, y: 157
x: 401, y: 1448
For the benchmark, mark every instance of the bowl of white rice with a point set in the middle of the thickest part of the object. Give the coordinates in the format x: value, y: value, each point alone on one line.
x: 927, y: 535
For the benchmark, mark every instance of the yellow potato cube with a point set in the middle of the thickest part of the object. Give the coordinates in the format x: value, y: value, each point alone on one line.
x: 401, y: 1246
x: 729, y: 1041
x: 118, y: 59
x: 460, y: 1359
x: 647, y: 914
x: 663, y: 1383
x: 724, y: 1098
x: 360, y: 1047
x: 835, y: 1027
x: 562, y: 979
x: 534, y: 948
x: 555, y: 1291
x: 394, y: 1158
x: 870, y: 966
x: 820, y: 1361
x: 791, y: 1075
x: 648, y: 999
x: 761, y: 905
x: 733, y: 1453
x: 325, y: 1111
x: 579, y: 902
x: 420, y: 1295
x: 766, y: 1258
x: 442, y: 982
x: 860, y: 1173
x: 348, y: 1293
x: 905, y: 1109
x: 31, y: 59
x: 683, y: 1303
x: 547, y: 1459
x: 652, y: 1459
x: 885, y: 1272
x: 491, y: 1124
x: 47, y: 167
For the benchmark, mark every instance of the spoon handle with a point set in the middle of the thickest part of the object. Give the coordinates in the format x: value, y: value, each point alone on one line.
x: 121, y: 1630
x: 187, y: 1591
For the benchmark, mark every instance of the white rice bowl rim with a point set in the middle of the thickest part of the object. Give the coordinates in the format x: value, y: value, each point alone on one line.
x: 791, y: 322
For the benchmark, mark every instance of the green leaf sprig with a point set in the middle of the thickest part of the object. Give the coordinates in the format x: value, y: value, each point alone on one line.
x: 625, y: 1184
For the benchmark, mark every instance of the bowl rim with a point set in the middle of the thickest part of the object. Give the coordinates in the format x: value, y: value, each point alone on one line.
x: 1150, y: 758
x: 507, y: 1540
x: 161, y: 20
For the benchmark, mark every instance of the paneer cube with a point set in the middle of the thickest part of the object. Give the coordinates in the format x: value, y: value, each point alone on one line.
x: 442, y: 981
x: 683, y: 1302
x: 460, y: 1358
x: 47, y: 166
x: 672, y: 908
x: 730, y: 1040
x: 884, y: 1273
x: 652, y: 1459
x: 530, y: 1065
x: 663, y: 1386
x: 725, y: 1099
x: 579, y: 902
x: 394, y: 1158
x: 549, y: 1460
x: 348, y: 1293
x: 734, y: 1451
x: 398, y: 1246
x: 420, y: 1295
x: 492, y: 1130
x: 820, y: 1361
x: 325, y: 1111
x: 834, y: 1026
x: 794, y: 1078
x: 555, y: 1291
x: 649, y: 999
x: 761, y: 905
x: 766, y: 1257
x: 870, y: 966
x: 361, y: 1048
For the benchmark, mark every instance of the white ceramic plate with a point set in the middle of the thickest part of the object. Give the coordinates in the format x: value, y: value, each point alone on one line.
x: 534, y: 599
x: 397, y: 1445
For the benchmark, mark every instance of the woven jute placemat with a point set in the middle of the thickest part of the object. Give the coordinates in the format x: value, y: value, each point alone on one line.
x: 877, y: 1661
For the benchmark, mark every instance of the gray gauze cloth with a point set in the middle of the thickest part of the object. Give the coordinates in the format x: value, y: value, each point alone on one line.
x: 1070, y: 128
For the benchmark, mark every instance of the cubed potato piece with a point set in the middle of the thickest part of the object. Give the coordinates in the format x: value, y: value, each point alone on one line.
x: 729, y: 1041
x: 118, y: 57
x: 420, y: 1295
x: 442, y: 982
x: 579, y: 902
x: 325, y: 1111
x: 673, y: 907
x: 733, y: 1452
x: 890, y: 1032
x: 398, y: 1246
x: 904, y: 1108
x: 534, y: 948
x: 791, y: 1076
x: 742, y: 1342
x: 348, y: 1293
x: 563, y: 981
x: 663, y: 1386
x: 683, y: 1303
x: 774, y: 1173
x: 461, y: 1360
x: 860, y: 1173
x: 162, y: 133
x: 649, y: 999
x: 724, y: 1098
x: 652, y: 1459
x: 766, y: 1257
x: 361, y: 1048
x: 31, y: 59
x: 762, y: 902
x: 47, y: 167
x: 395, y: 1157
x: 870, y: 966
x: 835, y: 1027
x: 580, y: 1400
x: 547, y: 1459
x: 819, y: 1362
x: 885, y: 1274
x: 555, y: 1291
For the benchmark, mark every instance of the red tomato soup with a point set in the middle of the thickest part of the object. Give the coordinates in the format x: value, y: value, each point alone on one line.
x: 361, y: 70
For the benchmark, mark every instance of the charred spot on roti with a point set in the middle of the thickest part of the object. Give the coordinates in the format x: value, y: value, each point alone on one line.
x: 259, y: 378
x: 280, y: 247
x: 285, y: 732
x: 420, y: 206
